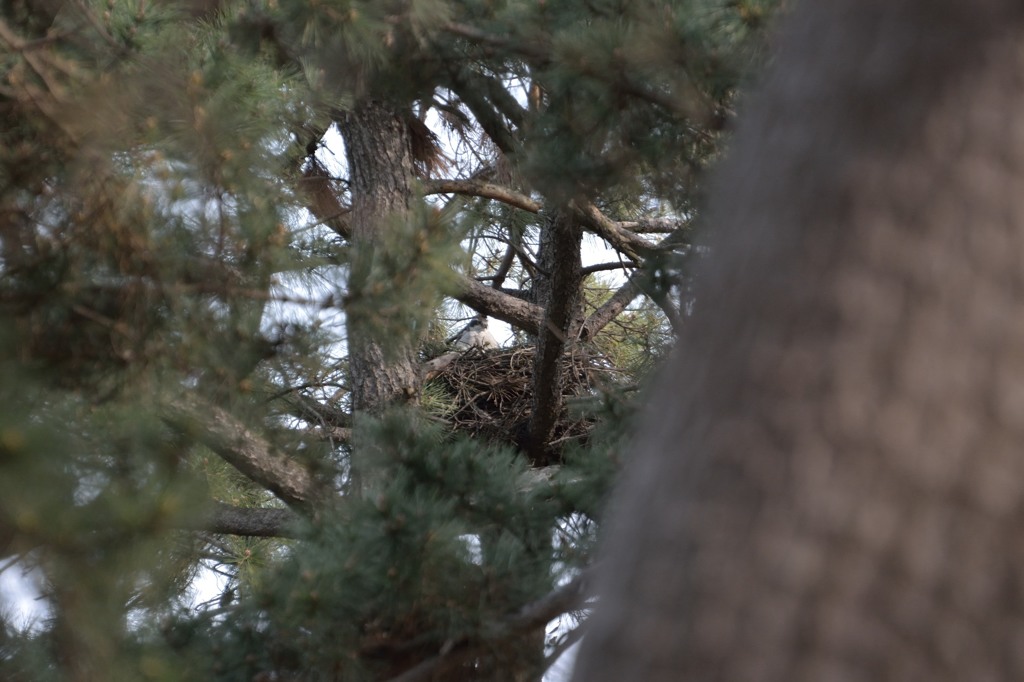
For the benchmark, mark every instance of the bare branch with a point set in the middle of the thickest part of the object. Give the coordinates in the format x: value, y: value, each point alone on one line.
x: 489, y: 120
x: 334, y: 434
x: 570, y: 639
x: 503, y: 267
x: 601, y: 267
x: 631, y: 289
x: 525, y: 259
x: 673, y: 316
x: 318, y: 413
x: 611, y: 309
x: 261, y: 522
x: 515, y: 311
x: 629, y: 244
x: 479, y: 188
x: 654, y: 225
x: 432, y: 368
x: 539, y: 613
x: 243, y: 449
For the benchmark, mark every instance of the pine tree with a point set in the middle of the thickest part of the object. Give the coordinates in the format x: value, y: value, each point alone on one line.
x: 220, y: 337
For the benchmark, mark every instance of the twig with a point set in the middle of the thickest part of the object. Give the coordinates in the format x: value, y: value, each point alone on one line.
x: 573, y: 636
x: 534, y: 615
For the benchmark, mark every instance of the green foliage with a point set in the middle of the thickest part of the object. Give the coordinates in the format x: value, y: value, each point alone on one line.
x: 94, y: 494
x: 436, y: 400
x: 442, y: 542
x: 589, y: 473
x: 636, y: 341
x: 393, y: 289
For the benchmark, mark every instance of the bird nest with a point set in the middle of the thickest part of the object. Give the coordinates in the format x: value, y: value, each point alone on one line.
x: 491, y: 393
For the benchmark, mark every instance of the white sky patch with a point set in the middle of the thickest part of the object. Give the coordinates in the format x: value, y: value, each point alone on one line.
x: 207, y: 586
x: 561, y: 669
x: 596, y: 251
x: 21, y: 596
x: 476, y: 554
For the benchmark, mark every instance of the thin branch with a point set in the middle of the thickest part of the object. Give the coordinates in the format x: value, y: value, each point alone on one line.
x: 675, y: 320
x: 288, y: 390
x: 315, y: 412
x: 528, y: 263
x: 498, y: 93
x: 693, y: 106
x: 610, y: 309
x: 600, y: 267
x: 629, y: 244
x: 525, y: 259
x: 333, y: 434
x: 654, y: 225
x: 539, y: 613
x: 503, y: 267
x: 480, y: 188
x: 489, y: 120
x: 571, y: 637
x: 529, y: 618
x: 526, y: 49
x: 631, y: 289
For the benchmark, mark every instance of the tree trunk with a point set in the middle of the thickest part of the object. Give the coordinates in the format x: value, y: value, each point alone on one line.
x: 381, y: 172
x: 830, y: 485
x: 557, y: 290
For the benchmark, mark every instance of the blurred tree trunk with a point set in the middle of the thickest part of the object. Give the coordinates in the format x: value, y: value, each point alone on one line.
x: 831, y: 483
x: 378, y: 150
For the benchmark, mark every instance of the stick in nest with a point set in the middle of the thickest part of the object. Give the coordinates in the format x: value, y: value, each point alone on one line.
x: 493, y: 391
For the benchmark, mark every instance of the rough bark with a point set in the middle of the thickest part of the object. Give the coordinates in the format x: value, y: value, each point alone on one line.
x: 263, y: 522
x: 245, y: 450
x: 378, y: 150
x: 831, y: 483
x: 557, y: 288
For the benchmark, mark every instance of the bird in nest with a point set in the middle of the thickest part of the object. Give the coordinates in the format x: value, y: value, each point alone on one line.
x: 475, y: 335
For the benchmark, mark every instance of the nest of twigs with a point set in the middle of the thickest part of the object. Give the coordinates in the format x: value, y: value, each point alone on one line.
x: 492, y: 394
